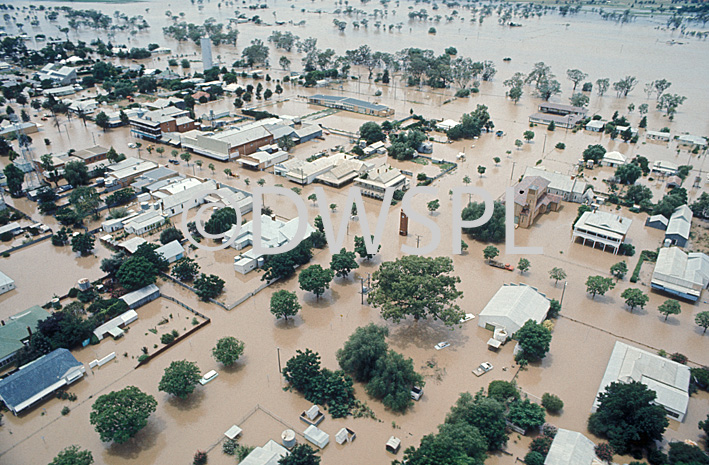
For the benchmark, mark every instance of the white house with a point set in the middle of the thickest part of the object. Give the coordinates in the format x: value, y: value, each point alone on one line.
x: 379, y: 179
x: 571, y: 448
x: 658, y: 136
x: 604, y: 228
x: 446, y: 125
x: 595, y: 125
x: 172, y: 251
x: 664, y: 167
x: 270, y: 454
x: 613, y: 159
x: 145, y: 222
x: 511, y: 307
x: 681, y: 274
x: 688, y: 140
x: 115, y: 326
x: 6, y: 283
x: 669, y: 380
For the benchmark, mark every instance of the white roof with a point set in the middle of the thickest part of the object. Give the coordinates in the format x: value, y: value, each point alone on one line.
x: 604, y: 223
x: 317, y: 436
x: 274, y: 232
x: 664, y: 165
x: 5, y: 279
x: 136, y: 296
x: 269, y: 454
x: 512, y: 306
x: 111, y: 325
x: 658, y: 134
x: 680, y: 222
x: 614, y: 157
x: 132, y: 244
x: 170, y: 250
x: 595, y: 123
x: 232, y: 432
x: 570, y: 448
x: 670, y: 380
x: 191, y: 191
x: 558, y: 181
x: 696, y: 140
x: 679, y: 271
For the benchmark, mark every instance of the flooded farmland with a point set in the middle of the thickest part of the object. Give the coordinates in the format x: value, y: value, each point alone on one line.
x: 251, y: 393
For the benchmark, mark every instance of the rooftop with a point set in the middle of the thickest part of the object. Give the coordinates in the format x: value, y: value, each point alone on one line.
x: 346, y: 101
x: 512, y: 305
x: 571, y: 448
x: 601, y: 222
x: 680, y: 222
x: 15, y: 330
x: 680, y: 271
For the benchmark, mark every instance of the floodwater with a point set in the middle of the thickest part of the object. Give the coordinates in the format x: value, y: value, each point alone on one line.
x: 583, y: 337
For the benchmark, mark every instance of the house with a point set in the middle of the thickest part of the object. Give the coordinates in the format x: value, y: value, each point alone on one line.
x: 567, y: 121
x: 152, y: 124
x: 688, y: 140
x: 122, y: 174
x: 8, y: 129
x: 40, y: 379
x: 141, y: 297
x: 261, y: 160
x: 613, y: 159
x: 274, y: 233
x: 83, y: 107
x: 13, y: 228
x: 161, y: 103
x: 446, y: 125
x: 622, y: 129
x: 17, y: 331
x: 350, y: 104
x: 172, y: 251
x: 604, y: 228
x: 569, y: 188
x: 199, y: 94
x: 145, y: 222
x: 270, y: 454
x: 511, y: 307
x: 673, y: 181
x: 561, y: 109
x: 680, y: 223
x: 92, y: 154
x: 379, y: 179
x: 150, y: 180
x: 657, y: 136
x: 304, y: 172
x: 131, y: 245
x: 666, y: 168
x: 377, y: 148
x: 680, y: 274
x: 229, y: 144
x: 344, y: 172
x: 58, y: 74
x: 669, y: 380
x: 62, y: 91
x: 657, y: 222
x: 308, y: 132
x: 115, y: 326
x: 316, y: 436
x: 531, y: 199
x: 571, y: 448
x: 595, y: 125
x: 6, y: 283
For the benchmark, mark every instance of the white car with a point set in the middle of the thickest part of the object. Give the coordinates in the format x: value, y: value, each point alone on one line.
x: 209, y: 376
x: 467, y: 317
x: 416, y: 393
x: 442, y: 345
x: 482, y: 369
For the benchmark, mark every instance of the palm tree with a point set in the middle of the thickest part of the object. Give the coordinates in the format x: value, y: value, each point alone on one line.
x: 199, y: 164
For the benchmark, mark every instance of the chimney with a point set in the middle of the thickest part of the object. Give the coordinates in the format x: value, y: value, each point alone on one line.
x: 2, y: 322
x: 29, y: 330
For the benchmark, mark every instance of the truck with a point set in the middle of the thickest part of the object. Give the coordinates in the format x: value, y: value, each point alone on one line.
x: 504, y: 266
x: 482, y: 369
x: 416, y: 392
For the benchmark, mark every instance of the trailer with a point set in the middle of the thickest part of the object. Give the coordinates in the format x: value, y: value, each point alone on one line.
x: 504, y: 266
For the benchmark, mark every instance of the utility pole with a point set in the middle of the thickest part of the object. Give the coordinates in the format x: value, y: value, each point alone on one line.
x: 361, y: 280
x: 544, y: 147
x: 563, y: 291
x: 418, y: 240
x: 513, y: 170
x: 278, y: 349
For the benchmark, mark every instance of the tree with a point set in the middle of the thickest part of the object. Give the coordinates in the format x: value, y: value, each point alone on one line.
x: 576, y: 76
x: 670, y: 307
x: 579, y: 100
x: 119, y: 415
x: 180, y: 378
x: 284, y: 304
x: 625, y: 86
x: 76, y: 173
x: 554, y: 308
x: 598, y: 285
x: 704, y: 425
x: 534, y: 458
x: 256, y: 53
x: 528, y: 135
x: 619, y: 270
x: 73, y: 455
x: 481, y: 170
x: 186, y: 156
x: 552, y: 403
x: 50, y: 172
x: 360, y: 247
x: 82, y: 243
x: 302, y: 371
x: 285, y: 63
x: 458, y: 443
x: 493, y: 230
x: 208, y: 287
x: 483, y: 413
x: 628, y: 173
x: 371, y: 132
x: 525, y: 414
x: 557, y: 274
x: 185, y: 269
x: 523, y: 265
x: 602, y: 85
x: 392, y: 380
x: 490, y: 252
x: 682, y: 453
x: 170, y: 234
x: 301, y: 454
x: 102, y: 120
x: 518, y: 144
x: 221, y: 221
x: 534, y: 340
x: 15, y: 178
x: 342, y: 263
x: 634, y: 298
x: 515, y: 94
x: 702, y: 319
x: 669, y: 103
x: 360, y: 353
x: 502, y: 391
x: 627, y: 416
x: 594, y: 153
x: 604, y: 451
x: 136, y: 273
x: 315, y: 279
x: 86, y: 200
x: 433, y: 205
x: 418, y: 286
x: 114, y: 157
x: 228, y: 350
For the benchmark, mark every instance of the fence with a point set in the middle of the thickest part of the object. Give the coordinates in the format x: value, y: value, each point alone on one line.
x: 162, y: 349
x: 185, y: 306
x: 190, y: 288
x: 27, y: 244
x: 250, y: 294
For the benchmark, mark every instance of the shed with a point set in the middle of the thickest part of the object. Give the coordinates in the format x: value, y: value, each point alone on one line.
x: 233, y: 432
x: 172, y: 251
x: 312, y: 416
x: 657, y: 222
x: 270, y: 454
x: 679, y: 226
x: 142, y: 296
x: 13, y: 228
x: 316, y: 436
x: 571, y: 448
x: 595, y: 125
x: 345, y: 435
x: 393, y: 445
x: 115, y: 325
x: 512, y: 306
x: 6, y: 283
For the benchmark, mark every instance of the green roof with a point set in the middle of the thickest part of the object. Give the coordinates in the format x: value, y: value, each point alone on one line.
x: 15, y: 329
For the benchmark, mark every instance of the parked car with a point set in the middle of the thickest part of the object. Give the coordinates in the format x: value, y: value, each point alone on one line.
x: 209, y: 376
x: 174, y: 162
x: 416, y: 393
x: 442, y: 345
x: 467, y: 317
x: 482, y: 369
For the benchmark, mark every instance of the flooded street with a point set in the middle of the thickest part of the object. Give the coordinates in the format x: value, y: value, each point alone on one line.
x: 250, y: 394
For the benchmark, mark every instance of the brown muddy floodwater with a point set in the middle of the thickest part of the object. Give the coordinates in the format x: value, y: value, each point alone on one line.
x: 251, y: 394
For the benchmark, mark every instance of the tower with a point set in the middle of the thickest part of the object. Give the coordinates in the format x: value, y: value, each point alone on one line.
x: 403, y: 224
x: 206, y: 45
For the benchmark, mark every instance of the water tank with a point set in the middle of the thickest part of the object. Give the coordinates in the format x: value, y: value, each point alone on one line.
x: 288, y: 438
x: 84, y: 284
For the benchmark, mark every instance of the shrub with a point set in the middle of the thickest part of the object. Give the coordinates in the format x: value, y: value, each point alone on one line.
x: 561, y: 146
x: 534, y: 458
x: 200, y: 458
x: 541, y: 444
x: 229, y: 447
x: 549, y: 430
x: 679, y: 358
x: 167, y: 338
x: 65, y: 410
x: 73, y: 292
x: 552, y: 403
x: 462, y: 93
x: 604, y: 451
x: 143, y: 357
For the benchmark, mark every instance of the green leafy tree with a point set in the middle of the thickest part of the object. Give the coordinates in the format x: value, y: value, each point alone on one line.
x: 170, y: 234
x: 670, y: 307
x: 102, y: 121
x: 523, y: 265
x: 534, y: 458
x: 702, y: 319
x: 552, y: 403
x: 481, y: 170
x: 185, y: 269
x: 502, y: 391
x: 433, y: 205
x: 454, y: 444
x: 361, y: 249
x: 343, y: 263
x: 628, y: 416
x: 594, y: 153
x: 15, y: 178
x: 180, y: 379
x: 598, y: 285
x: 221, y: 221
x: 557, y: 274
x: 554, y: 308
x: 416, y: 286
x: 628, y: 174
x: 302, y: 371
x: 526, y: 414
x: 82, y: 243
x: 73, y: 455
x: 528, y: 135
x: 284, y: 304
x: 483, y: 413
x: 371, y: 132
x: 681, y: 453
x: 76, y: 173
x: 634, y: 298
x: 360, y: 353
x: 119, y: 415
x: 534, y: 339
x: 50, y: 172
x: 136, y: 273
x: 315, y: 279
x: 619, y: 270
x: 492, y: 231
x: 85, y: 200
x: 301, y: 454
x: 208, y: 286
x: 490, y: 252
x: 228, y: 350
x: 392, y: 380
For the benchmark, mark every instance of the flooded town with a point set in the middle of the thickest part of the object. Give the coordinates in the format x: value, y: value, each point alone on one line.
x: 338, y: 232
